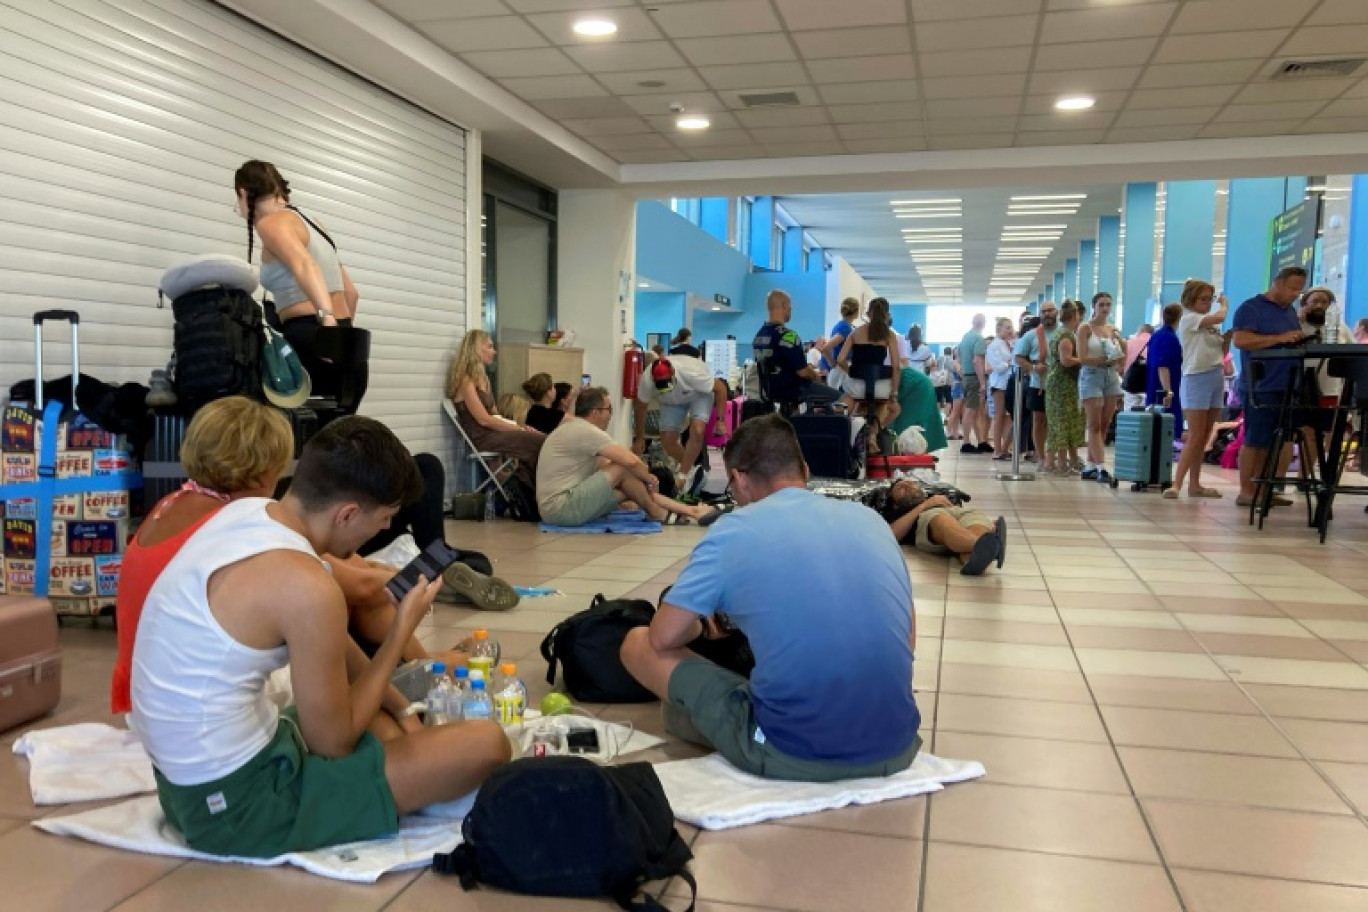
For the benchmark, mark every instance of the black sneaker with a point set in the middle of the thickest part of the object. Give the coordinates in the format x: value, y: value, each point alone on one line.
x: 985, y: 448
x: 1103, y: 476
x: 985, y: 551
x: 693, y: 482
x: 1088, y: 474
x: 968, y: 448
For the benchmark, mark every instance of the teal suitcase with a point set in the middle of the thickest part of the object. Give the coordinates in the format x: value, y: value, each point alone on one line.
x: 1144, y: 449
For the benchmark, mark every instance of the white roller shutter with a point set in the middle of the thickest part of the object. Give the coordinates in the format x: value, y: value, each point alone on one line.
x: 123, y: 124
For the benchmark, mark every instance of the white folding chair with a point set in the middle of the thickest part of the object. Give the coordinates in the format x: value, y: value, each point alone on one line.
x: 493, y: 464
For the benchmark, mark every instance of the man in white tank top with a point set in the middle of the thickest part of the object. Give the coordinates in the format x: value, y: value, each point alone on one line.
x: 245, y: 595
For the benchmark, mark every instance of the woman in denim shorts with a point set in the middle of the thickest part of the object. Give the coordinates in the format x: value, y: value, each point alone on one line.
x: 1099, y: 383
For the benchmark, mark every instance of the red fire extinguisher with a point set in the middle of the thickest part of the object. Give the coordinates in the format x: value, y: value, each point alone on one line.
x: 633, y: 363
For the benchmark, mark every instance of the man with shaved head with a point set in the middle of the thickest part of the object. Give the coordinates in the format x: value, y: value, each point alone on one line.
x: 779, y: 354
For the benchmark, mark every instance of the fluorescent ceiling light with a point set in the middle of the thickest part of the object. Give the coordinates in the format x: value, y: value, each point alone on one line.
x: 1057, y: 196
x: 1034, y: 227
x: 948, y: 239
x: 693, y: 122
x: 643, y: 284
x: 1042, y: 205
x: 1075, y: 103
x: 595, y: 27
x: 922, y: 213
x: 931, y: 202
x: 926, y: 230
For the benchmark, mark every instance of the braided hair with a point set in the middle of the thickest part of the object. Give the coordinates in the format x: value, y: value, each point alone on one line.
x: 259, y: 180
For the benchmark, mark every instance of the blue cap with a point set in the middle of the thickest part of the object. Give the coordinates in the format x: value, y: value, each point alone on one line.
x: 478, y: 683
x: 439, y: 667
x: 461, y: 672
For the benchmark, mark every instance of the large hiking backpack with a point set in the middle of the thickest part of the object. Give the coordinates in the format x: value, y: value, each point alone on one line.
x: 218, y: 331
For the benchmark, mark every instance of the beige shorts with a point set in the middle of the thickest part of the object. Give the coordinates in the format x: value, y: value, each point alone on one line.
x: 963, y: 515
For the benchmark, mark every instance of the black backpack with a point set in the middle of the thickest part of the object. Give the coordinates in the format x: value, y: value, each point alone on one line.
x: 218, y: 343
x: 586, y: 646
x: 521, y: 502
x: 565, y: 826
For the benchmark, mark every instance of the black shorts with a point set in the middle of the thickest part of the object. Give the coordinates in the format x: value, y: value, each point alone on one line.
x: 942, y: 395
x: 1035, y: 399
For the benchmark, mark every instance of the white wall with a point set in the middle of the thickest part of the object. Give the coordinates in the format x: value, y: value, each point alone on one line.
x: 596, y: 250
x: 844, y: 282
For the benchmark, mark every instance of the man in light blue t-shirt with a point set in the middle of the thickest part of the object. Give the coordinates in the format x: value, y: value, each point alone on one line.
x: 829, y: 618
x: 1032, y: 355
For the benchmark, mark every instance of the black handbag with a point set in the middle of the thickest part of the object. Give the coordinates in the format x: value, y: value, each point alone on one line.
x: 1136, y: 380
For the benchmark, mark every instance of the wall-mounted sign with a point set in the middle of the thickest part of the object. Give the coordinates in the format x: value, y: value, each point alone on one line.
x: 722, y: 299
x: 1293, y: 241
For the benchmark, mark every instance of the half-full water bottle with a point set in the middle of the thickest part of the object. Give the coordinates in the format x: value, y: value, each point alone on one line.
x: 477, y: 706
x: 460, y: 692
x: 510, y: 699
x: 484, y: 655
x: 439, y: 697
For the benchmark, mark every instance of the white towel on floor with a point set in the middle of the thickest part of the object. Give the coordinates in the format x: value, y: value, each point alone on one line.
x: 710, y: 793
x: 139, y: 825
x: 88, y: 761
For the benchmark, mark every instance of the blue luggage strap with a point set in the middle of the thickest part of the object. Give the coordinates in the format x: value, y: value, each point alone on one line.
x: 48, y: 487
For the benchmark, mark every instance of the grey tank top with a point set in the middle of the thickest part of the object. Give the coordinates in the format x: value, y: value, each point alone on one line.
x: 280, y: 283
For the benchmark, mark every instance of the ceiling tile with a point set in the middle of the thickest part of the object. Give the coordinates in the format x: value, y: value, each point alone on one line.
x: 754, y: 75
x: 583, y: 108
x: 976, y: 63
x: 549, y: 87
x: 675, y: 81
x: 781, y: 117
x: 863, y: 69
x: 1066, y: 120
x: 1358, y: 90
x: 733, y: 98
x: 974, y: 107
x: 1180, y: 97
x: 971, y: 141
x: 1346, y: 107
x: 1337, y: 125
x: 967, y: 126
x: 1095, y: 54
x: 1061, y: 138
x: 1180, y: 75
x: 726, y: 153
x: 1288, y: 112
x: 1107, y: 22
x: 934, y: 10
x: 615, y: 57
x: 540, y: 62
x: 853, y: 42
x: 633, y: 25
x: 718, y: 17
x: 876, y: 113
x: 421, y: 10
x: 1218, y: 15
x: 1066, y: 82
x: 973, y: 86
x: 804, y: 150
x: 1045, y: 104
x: 555, y: 6
x: 867, y: 92
x: 649, y: 156
x: 721, y: 121
x: 1323, y: 40
x: 1212, y: 46
x: 1293, y: 90
x: 1232, y: 130
x: 1158, y: 117
x: 659, y: 105
x: 817, y: 14
x: 885, y: 146
x: 812, y: 133
x: 878, y: 130
x: 751, y: 48
x: 967, y: 34
x: 1152, y: 134
x: 607, y: 126
x: 1340, y: 12
x: 631, y: 141
x: 486, y: 34
x: 688, y: 139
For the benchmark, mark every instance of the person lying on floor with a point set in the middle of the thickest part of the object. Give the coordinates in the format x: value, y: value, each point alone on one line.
x: 249, y: 592
x: 234, y: 448
x: 831, y: 694
x: 934, y: 524
x: 583, y: 473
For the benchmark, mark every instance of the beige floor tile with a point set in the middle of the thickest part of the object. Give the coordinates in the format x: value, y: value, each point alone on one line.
x: 1205, y: 891
x: 1149, y: 664
x: 958, y: 584
x: 1245, y: 781
x: 975, y: 879
x: 1005, y: 632
x: 619, y: 574
x: 207, y: 887
x: 1195, y: 731
x: 1199, y: 579
x: 1310, y: 702
x: 1229, y: 623
x: 967, y: 594
x: 904, y: 818
x: 1354, y: 649
x: 1070, y: 765
x: 1068, y: 569
x: 1119, y: 617
x: 1287, y: 844
x: 1143, y: 640
x: 1022, y: 718
x: 976, y: 652
x: 987, y: 611
x: 57, y: 872
x: 1337, y: 595
x: 1021, y: 683
x: 798, y: 868
x: 1273, y: 647
x: 1301, y: 579
x: 1338, y: 630
x: 1352, y: 780
x: 1201, y: 604
x: 1253, y: 670
x: 1346, y: 742
x: 1171, y: 693
x: 1222, y: 591
x: 1099, y: 586
x: 437, y: 893
x: 1042, y: 820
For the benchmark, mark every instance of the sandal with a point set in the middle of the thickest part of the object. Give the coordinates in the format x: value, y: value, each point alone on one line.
x: 1172, y: 494
x: 487, y: 592
x: 675, y: 519
x: 1204, y: 492
x: 717, y: 514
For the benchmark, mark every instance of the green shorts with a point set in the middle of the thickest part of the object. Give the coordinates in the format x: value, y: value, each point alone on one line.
x: 973, y: 393
x: 710, y: 705
x: 963, y: 515
x: 286, y: 800
x: 585, y: 502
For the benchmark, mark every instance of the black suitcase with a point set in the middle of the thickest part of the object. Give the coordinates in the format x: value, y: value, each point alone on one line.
x: 825, y: 441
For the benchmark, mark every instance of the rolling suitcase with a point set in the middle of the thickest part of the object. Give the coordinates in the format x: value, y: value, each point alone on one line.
x: 884, y: 466
x: 1144, y: 449
x: 826, y: 444
x: 30, y: 660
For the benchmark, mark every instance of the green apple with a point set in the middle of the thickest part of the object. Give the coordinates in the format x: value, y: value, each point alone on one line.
x: 556, y: 704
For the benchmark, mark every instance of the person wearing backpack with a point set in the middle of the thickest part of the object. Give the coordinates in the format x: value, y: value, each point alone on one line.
x: 829, y: 619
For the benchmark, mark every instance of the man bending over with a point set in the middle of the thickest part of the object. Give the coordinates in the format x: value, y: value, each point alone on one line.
x: 248, y: 593
x: 932, y: 523
x: 688, y: 394
x: 829, y: 617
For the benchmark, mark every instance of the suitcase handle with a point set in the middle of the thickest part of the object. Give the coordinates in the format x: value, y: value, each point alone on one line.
x: 67, y: 316
x: 42, y: 316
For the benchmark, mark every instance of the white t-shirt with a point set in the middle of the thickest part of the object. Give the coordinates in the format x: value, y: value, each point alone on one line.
x: 568, y: 457
x: 693, y: 378
x: 1203, y: 348
x: 999, y: 363
x: 920, y: 359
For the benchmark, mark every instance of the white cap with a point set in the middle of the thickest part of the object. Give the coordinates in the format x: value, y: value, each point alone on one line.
x: 476, y: 674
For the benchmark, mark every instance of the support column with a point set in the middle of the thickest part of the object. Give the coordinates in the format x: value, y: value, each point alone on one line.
x: 1060, y: 288
x: 713, y: 215
x: 1254, y: 203
x: 1050, y: 294
x: 1189, y: 232
x: 1108, y: 255
x: 816, y: 259
x: 1137, y: 278
x: 1071, y: 278
x: 793, y: 249
x: 1356, y: 276
x: 761, y: 224
x: 1087, y: 266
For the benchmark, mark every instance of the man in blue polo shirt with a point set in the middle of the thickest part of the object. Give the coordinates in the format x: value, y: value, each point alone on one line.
x: 831, y: 694
x: 1032, y: 353
x: 778, y: 350
x: 1266, y: 320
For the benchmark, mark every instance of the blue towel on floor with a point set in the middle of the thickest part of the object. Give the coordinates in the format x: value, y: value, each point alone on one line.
x: 623, y: 522
x: 535, y: 591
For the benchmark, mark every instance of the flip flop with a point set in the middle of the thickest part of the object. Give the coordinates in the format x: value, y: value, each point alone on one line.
x: 984, y: 553
x: 1001, y: 528
x: 675, y: 519
x: 717, y: 514
x: 1204, y: 492
x: 1171, y: 494
x: 487, y: 592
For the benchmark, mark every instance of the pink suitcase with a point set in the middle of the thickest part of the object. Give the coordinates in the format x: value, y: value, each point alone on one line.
x: 30, y: 659
x: 733, y: 420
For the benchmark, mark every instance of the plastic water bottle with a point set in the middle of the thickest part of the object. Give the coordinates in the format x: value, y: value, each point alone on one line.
x: 460, y: 692
x: 478, y: 707
x: 439, y: 697
x: 484, y: 655
x: 489, y: 510
x: 510, y: 698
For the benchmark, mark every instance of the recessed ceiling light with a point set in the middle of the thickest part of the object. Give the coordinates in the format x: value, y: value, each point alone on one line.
x: 933, y: 202
x: 1058, y: 196
x: 1075, y: 103
x: 1035, y: 227
x: 643, y: 284
x: 693, y: 122
x: 595, y: 27
x: 949, y: 213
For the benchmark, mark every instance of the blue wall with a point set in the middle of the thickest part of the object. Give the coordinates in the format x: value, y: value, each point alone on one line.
x: 1189, y: 228
x: 1254, y: 203
x: 1137, y: 282
x: 1356, y: 280
x: 658, y: 312
x: 672, y: 250
x: 808, y: 291
x: 904, y: 315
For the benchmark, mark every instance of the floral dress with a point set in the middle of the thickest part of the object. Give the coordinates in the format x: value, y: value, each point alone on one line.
x: 1064, y: 419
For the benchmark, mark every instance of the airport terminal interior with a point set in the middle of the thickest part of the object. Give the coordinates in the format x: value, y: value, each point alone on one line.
x: 1168, y: 694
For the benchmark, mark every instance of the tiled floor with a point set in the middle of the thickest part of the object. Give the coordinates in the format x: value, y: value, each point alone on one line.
x: 1172, y: 707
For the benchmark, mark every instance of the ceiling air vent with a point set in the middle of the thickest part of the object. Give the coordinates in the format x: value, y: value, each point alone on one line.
x: 1309, y: 69
x: 768, y: 99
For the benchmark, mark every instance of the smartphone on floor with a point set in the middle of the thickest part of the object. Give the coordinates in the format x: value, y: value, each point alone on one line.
x: 430, y: 564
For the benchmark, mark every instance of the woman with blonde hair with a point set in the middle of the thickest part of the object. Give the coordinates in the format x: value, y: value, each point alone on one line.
x: 873, y: 342
x: 468, y: 388
x: 1063, y: 419
x: 999, y: 363
x: 514, y: 407
x: 1203, y: 383
x: 1101, y: 352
